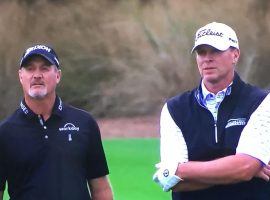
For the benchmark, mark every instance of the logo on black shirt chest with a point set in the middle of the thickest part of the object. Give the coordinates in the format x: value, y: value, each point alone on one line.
x: 70, y: 129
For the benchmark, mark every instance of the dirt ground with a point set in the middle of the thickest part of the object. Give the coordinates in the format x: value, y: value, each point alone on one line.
x: 135, y: 127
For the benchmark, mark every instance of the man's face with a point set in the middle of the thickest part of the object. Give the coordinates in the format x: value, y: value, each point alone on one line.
x: 39, y: 78
x: 216, y: 66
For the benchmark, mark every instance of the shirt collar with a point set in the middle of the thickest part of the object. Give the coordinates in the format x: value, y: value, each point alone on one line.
x: 202, y: 92
x: 57, y: 108
x: 205, y: 93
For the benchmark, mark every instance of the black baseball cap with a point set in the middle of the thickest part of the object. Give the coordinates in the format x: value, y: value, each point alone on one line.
x: 42, y: 50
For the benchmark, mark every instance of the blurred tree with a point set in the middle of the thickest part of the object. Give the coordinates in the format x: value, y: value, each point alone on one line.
x: 260, y: 14
x: 125, y: 57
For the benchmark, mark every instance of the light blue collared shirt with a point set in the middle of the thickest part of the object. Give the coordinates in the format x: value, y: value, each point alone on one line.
x: 212, y: 101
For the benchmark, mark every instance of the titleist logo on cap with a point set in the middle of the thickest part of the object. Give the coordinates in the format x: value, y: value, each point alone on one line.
x: 205, y: 32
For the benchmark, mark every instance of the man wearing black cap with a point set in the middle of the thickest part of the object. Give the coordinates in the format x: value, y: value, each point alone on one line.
x: 206, y: 153
x: 50, y: 150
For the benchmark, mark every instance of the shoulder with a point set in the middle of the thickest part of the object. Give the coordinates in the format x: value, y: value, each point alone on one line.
x: 254, y: 94
x: 10, y: 122
x: 79, y: 115
x: 250, y: 97
x: 257, y: 92
x: 182, y: 100
x: 249, y: 90
x: 180, y: 97
x: 13, y: 118
x: 76, y: 111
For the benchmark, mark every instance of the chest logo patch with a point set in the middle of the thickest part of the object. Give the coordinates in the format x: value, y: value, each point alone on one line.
x: 236, y: 122
x: 69, y: 128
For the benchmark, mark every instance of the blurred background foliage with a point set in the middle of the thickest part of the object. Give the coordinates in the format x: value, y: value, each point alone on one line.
x: 126, y: 57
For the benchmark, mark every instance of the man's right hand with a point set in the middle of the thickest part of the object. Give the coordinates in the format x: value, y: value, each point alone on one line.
x: 165, y: 176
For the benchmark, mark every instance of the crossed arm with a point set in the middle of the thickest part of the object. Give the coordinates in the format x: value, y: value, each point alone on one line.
x: 226, y: 170
x: 100, y: 188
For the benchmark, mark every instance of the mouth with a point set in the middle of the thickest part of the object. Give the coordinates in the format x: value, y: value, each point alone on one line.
x: 209, y: 68
x: 36, y: 84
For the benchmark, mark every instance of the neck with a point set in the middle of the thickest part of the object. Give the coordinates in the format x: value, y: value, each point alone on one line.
x: 41, y: 106
x: 216, y: 86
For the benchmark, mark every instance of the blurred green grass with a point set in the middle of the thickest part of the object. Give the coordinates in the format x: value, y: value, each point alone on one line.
x: 131, y: 163
x: 6, y: 197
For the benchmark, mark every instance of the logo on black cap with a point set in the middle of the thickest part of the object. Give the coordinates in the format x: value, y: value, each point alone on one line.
x: 42, y: 50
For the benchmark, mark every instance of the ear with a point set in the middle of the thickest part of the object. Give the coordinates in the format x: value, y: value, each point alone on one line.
x: 20, y: 75
x: 58, y: 75
x: 236, y: 55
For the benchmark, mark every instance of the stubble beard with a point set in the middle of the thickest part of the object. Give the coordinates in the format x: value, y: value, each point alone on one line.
x: 37, y: 94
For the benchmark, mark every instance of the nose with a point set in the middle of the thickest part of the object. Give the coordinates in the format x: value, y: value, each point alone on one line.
x: 207, y: 56
x: 37, y: 74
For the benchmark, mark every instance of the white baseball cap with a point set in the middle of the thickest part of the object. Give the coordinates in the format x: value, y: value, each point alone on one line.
x: 217, y: 35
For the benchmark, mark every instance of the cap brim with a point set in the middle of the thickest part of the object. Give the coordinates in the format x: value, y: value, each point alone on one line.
x: 38, y: 54
x: 216, y: 43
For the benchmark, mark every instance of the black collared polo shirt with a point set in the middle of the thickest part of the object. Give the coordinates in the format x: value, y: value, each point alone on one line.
x: 53, y: 159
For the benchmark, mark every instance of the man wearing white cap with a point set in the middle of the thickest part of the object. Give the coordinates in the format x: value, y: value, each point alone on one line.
x: 206, y: 153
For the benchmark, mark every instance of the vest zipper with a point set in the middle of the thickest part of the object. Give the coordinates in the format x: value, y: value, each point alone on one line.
x: 215, y: 124
x: 216, y: 136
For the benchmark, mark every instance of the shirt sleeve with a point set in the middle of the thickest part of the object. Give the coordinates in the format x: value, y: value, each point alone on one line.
x: 173, y: 147
x: 255, y: 138
x: 97, y: 164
